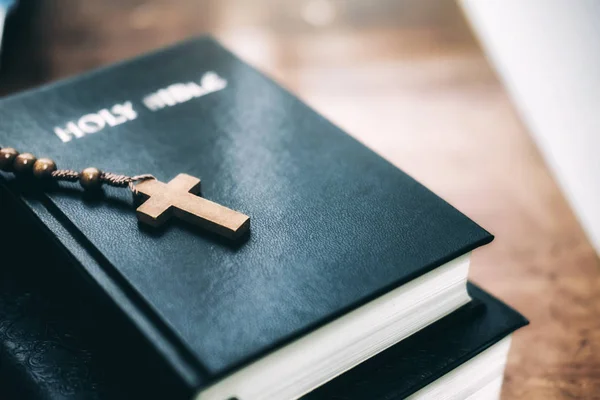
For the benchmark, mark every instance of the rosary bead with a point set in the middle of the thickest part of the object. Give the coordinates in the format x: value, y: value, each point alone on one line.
x: 7, y: 158
x: 90, y: 178
x: 43, y: 168
x: 23, y: 163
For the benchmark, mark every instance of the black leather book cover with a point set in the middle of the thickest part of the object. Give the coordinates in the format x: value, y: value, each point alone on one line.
x: 57, y: 340
x: 333, y: 225
x: 54, y: 348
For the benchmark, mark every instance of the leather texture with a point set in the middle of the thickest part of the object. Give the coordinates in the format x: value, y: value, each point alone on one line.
x: 57, y: 341
x: 333, y: 225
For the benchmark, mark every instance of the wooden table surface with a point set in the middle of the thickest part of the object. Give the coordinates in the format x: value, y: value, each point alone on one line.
x: 407, y: 78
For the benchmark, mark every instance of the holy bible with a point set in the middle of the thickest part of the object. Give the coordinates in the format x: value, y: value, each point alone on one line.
x: 344, y: 257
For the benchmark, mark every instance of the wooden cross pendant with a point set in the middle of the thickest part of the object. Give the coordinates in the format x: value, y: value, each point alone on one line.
x: 179, y: 198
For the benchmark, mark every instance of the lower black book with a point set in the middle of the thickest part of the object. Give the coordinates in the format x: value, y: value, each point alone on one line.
x: 52, y: 348
x: 461, y: 356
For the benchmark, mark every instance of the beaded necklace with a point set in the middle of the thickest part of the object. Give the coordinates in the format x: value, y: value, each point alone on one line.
x: 161, y: 201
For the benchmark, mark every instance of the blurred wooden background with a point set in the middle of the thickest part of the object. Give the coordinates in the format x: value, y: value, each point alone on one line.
x: 407, y: 78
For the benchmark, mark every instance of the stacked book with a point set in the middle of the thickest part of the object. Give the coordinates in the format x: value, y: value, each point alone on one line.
x: 350, y: 284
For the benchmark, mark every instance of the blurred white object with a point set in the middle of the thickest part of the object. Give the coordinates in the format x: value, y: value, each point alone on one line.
x: 2, y: 19
x: 548, y: 54
x: 5, y: 7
